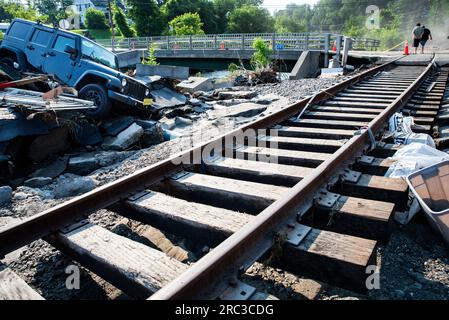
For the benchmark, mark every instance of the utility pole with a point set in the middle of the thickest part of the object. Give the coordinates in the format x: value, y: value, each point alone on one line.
x: 111, y: 24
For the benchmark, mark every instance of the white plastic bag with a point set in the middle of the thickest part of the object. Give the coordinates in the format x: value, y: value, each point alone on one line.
x: 402, y: 128
x: 413, y: 157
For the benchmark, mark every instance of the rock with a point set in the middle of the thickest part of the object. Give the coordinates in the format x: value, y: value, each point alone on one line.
x: 167, y: 123
x: 113, y: 128
x: 54, y: 142
x: 245, y: 110
x: 85, y: 134
x: 37, y: 182
x: 226, y: 95
x: 194, y: 102
x: 152, y: 132
x: 86, y: 163
x: 52, y: 170
x: 183, y: 122
x: 82, y: 165
x: 198, y: 109
x: 69, y: 185
x: 124, y: 139
x: 265, y: 100
x: 5, y: 195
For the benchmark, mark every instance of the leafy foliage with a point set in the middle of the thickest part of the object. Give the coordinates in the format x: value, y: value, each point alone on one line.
x: 205, y: 9
x: 187, y: 24
x: 261, y: 58
x: 147, y: 17
x: 9, y: 11
x: 122, y: 23
x: 151, y: 59
x: 95, y: 19
x: 250, y: 19
x: 53, y: 9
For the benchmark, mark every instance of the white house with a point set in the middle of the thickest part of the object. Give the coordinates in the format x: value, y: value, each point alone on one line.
x: 82, y: 6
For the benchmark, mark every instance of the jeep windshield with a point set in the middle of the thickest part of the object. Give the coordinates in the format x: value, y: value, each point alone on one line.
x: 94, y: 52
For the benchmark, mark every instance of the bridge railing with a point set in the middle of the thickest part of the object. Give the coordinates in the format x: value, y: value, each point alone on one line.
x: 278, y: 41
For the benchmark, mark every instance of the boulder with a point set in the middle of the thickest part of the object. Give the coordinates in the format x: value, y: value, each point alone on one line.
x: 37, y: 182
x: 114, y: 127
x: 226, y: 95
x: 124, y: 139
x: 52, y: 170
x: 5, y: 195
x: 69, y: 185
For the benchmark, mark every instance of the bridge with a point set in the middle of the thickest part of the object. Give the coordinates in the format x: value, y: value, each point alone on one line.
x: 230, y: 47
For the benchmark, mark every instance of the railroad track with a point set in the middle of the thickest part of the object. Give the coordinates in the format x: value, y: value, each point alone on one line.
x: 312, y: 185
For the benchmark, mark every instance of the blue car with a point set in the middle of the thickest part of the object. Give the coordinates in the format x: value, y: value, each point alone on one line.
x: 75, y: 61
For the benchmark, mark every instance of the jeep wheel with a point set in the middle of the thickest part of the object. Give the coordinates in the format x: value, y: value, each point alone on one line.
x: 8, y: 61
x: 98, y: 95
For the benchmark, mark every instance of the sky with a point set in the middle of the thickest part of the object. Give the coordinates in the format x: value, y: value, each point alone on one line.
x: 274, y: 5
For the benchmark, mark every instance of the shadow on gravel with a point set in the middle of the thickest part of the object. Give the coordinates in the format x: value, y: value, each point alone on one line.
x: 414, y: 264
x: 50, y: 279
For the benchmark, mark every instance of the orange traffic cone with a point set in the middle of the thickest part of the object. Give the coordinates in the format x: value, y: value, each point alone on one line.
x: 334, y: 47
x: 406, y: 48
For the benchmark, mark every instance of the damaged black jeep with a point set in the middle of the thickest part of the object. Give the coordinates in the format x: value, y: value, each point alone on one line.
x: 75, y: 61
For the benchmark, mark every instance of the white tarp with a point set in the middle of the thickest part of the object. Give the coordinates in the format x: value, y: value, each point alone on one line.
x: 413, y: 157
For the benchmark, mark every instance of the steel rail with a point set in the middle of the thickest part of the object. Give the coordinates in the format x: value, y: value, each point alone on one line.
x: 42, y: 224
x: 221, y: 266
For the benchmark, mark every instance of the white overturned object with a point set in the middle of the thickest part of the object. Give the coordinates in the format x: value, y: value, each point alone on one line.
x: 402, y: 128
x: 431, y: 187
x: 413, y: 157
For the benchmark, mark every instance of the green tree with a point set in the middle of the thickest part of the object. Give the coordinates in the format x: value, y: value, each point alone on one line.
x: 250, y: 19
x: 294, y: 18
x: 53, y: 9
x: 95, y: 19
x: 9, y: 11
x: 205, y: 8
x: 223, y: 8
x: 187, y: 24
x: 147, y: 17
x: 122, y: 24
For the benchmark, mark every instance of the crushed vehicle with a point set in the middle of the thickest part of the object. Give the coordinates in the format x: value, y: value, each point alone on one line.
x: 75, y: 61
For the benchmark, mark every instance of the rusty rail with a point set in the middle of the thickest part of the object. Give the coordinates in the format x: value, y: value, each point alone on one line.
x: 239, y: 251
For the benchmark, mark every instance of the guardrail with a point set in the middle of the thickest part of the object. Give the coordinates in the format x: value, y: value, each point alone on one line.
x: 277, y: 41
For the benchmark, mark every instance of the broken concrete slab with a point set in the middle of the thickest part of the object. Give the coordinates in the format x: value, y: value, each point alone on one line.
x: 265, y: 100
x: 152, y: 132
x: 5, y: 195
x: 167, y: 98
x: 14, y: 124
x: 82, y: 165
x: 86, y: 134
x: 69, y: 185
x: 248, y: 109
x: 114, y: 127
x: 165, y: 71
x: 124, y: 139
x: 195, y: 84
x: 55, y: 142
x: 37, y: 182
x: 88, y: 162
x: 226, y: 95
x: 182, y: 122
x: 53, y: 170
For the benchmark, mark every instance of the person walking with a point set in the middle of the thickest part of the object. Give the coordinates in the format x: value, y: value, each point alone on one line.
x: 417, y: 33
x: 427, y: 35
